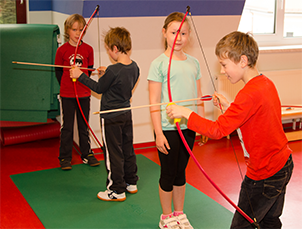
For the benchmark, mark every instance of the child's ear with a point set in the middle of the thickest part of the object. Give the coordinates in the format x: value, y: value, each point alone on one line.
x: 115, y: 49
x: 164, y: 32
x: 244, y: 61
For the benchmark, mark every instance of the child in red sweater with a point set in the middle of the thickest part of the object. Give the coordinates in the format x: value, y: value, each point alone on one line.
x: 73, y: 27
x: 256, y: 112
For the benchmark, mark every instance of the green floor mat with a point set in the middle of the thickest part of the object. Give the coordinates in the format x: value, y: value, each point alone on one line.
x: 67, y: 199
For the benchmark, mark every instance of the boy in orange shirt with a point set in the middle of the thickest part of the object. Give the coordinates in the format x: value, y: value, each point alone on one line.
x: 256, y: 111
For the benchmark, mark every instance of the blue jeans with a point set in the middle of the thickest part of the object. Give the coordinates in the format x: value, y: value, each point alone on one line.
x: 265, y: 197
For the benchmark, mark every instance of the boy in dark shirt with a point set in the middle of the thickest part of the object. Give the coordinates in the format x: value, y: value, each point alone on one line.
x: 116, y: 85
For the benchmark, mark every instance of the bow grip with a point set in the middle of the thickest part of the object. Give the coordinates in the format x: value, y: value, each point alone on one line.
x: 74, y: 79
x: 176, y: 119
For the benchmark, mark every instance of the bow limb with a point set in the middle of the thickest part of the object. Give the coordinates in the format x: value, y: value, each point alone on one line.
x: 172, y: 50
x: 82, y: 34
x: 185, y: 142
x: 74, y: 80
x: 83, y: 31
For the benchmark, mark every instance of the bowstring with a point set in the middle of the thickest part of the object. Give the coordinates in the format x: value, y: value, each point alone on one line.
x: 202, y: 51
x: 99, y: 42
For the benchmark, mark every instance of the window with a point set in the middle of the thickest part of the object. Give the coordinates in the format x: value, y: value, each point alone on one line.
x: 8, y: 12
x: 273, y: 22
x: 12, y: 11
x: 292, y: 18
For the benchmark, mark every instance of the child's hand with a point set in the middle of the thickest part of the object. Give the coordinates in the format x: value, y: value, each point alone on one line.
x: 101, y: 70
x: 175, y: 111
x: 162, y: 143
x: 220, y: 100
x: 75, y: 72
x: 203, y: 140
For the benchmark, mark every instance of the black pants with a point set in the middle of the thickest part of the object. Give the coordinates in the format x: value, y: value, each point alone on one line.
x: 69, y: 109
x: 173, y: 164
x: 119, y: 155
x: 266, y: 198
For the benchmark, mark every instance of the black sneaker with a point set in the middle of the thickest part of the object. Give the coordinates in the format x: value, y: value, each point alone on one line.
x: 91, y: 160
x: 65, y: 164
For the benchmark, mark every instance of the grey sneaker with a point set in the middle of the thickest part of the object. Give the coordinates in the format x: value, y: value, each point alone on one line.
x: 91, y: 160
x: 169, y: 222
x: 110, y: 195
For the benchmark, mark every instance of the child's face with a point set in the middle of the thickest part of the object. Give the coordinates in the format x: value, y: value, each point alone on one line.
x: 182, y: 38
x: 74, y: 33
x: 233, y: 71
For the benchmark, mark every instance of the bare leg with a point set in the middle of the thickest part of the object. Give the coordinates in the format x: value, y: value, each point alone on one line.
x: 179, y: 197
x: 165, y: 201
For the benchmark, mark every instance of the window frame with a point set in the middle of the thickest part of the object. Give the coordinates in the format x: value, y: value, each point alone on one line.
x: 277, y: 39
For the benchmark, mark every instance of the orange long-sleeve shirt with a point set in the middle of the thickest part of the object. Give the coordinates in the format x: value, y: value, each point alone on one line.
x: 256, y: 110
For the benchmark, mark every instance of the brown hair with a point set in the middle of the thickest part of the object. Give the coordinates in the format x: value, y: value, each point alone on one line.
x: 236, y: 44
x: 176, y: 16
x: 70, y: 21
x: 119, y: 37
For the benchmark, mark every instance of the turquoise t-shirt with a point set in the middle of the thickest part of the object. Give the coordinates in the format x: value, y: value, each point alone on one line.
x: 183, y: 76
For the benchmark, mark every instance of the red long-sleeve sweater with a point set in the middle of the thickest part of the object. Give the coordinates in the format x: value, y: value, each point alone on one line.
x: 256, y: 110
x: 65, y: 56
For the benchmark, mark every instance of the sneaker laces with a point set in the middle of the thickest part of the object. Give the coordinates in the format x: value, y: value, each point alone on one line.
x: 111, y: 194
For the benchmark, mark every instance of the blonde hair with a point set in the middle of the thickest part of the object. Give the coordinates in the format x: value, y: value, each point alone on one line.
x: 175, y: 16
x: 70, y: 21
x: 119, y: 37
x: 236, y: 44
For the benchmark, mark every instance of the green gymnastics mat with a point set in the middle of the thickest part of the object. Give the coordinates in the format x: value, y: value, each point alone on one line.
x: 68, y: 199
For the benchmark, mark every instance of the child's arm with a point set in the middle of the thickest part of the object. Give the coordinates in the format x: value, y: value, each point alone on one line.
x: 236, y: 114
x: 90, y: 72
x: 100, y: 86
x: 176, y: 111
x: 59, y: 73
x: 59, y: 61
x: 155, y: 97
